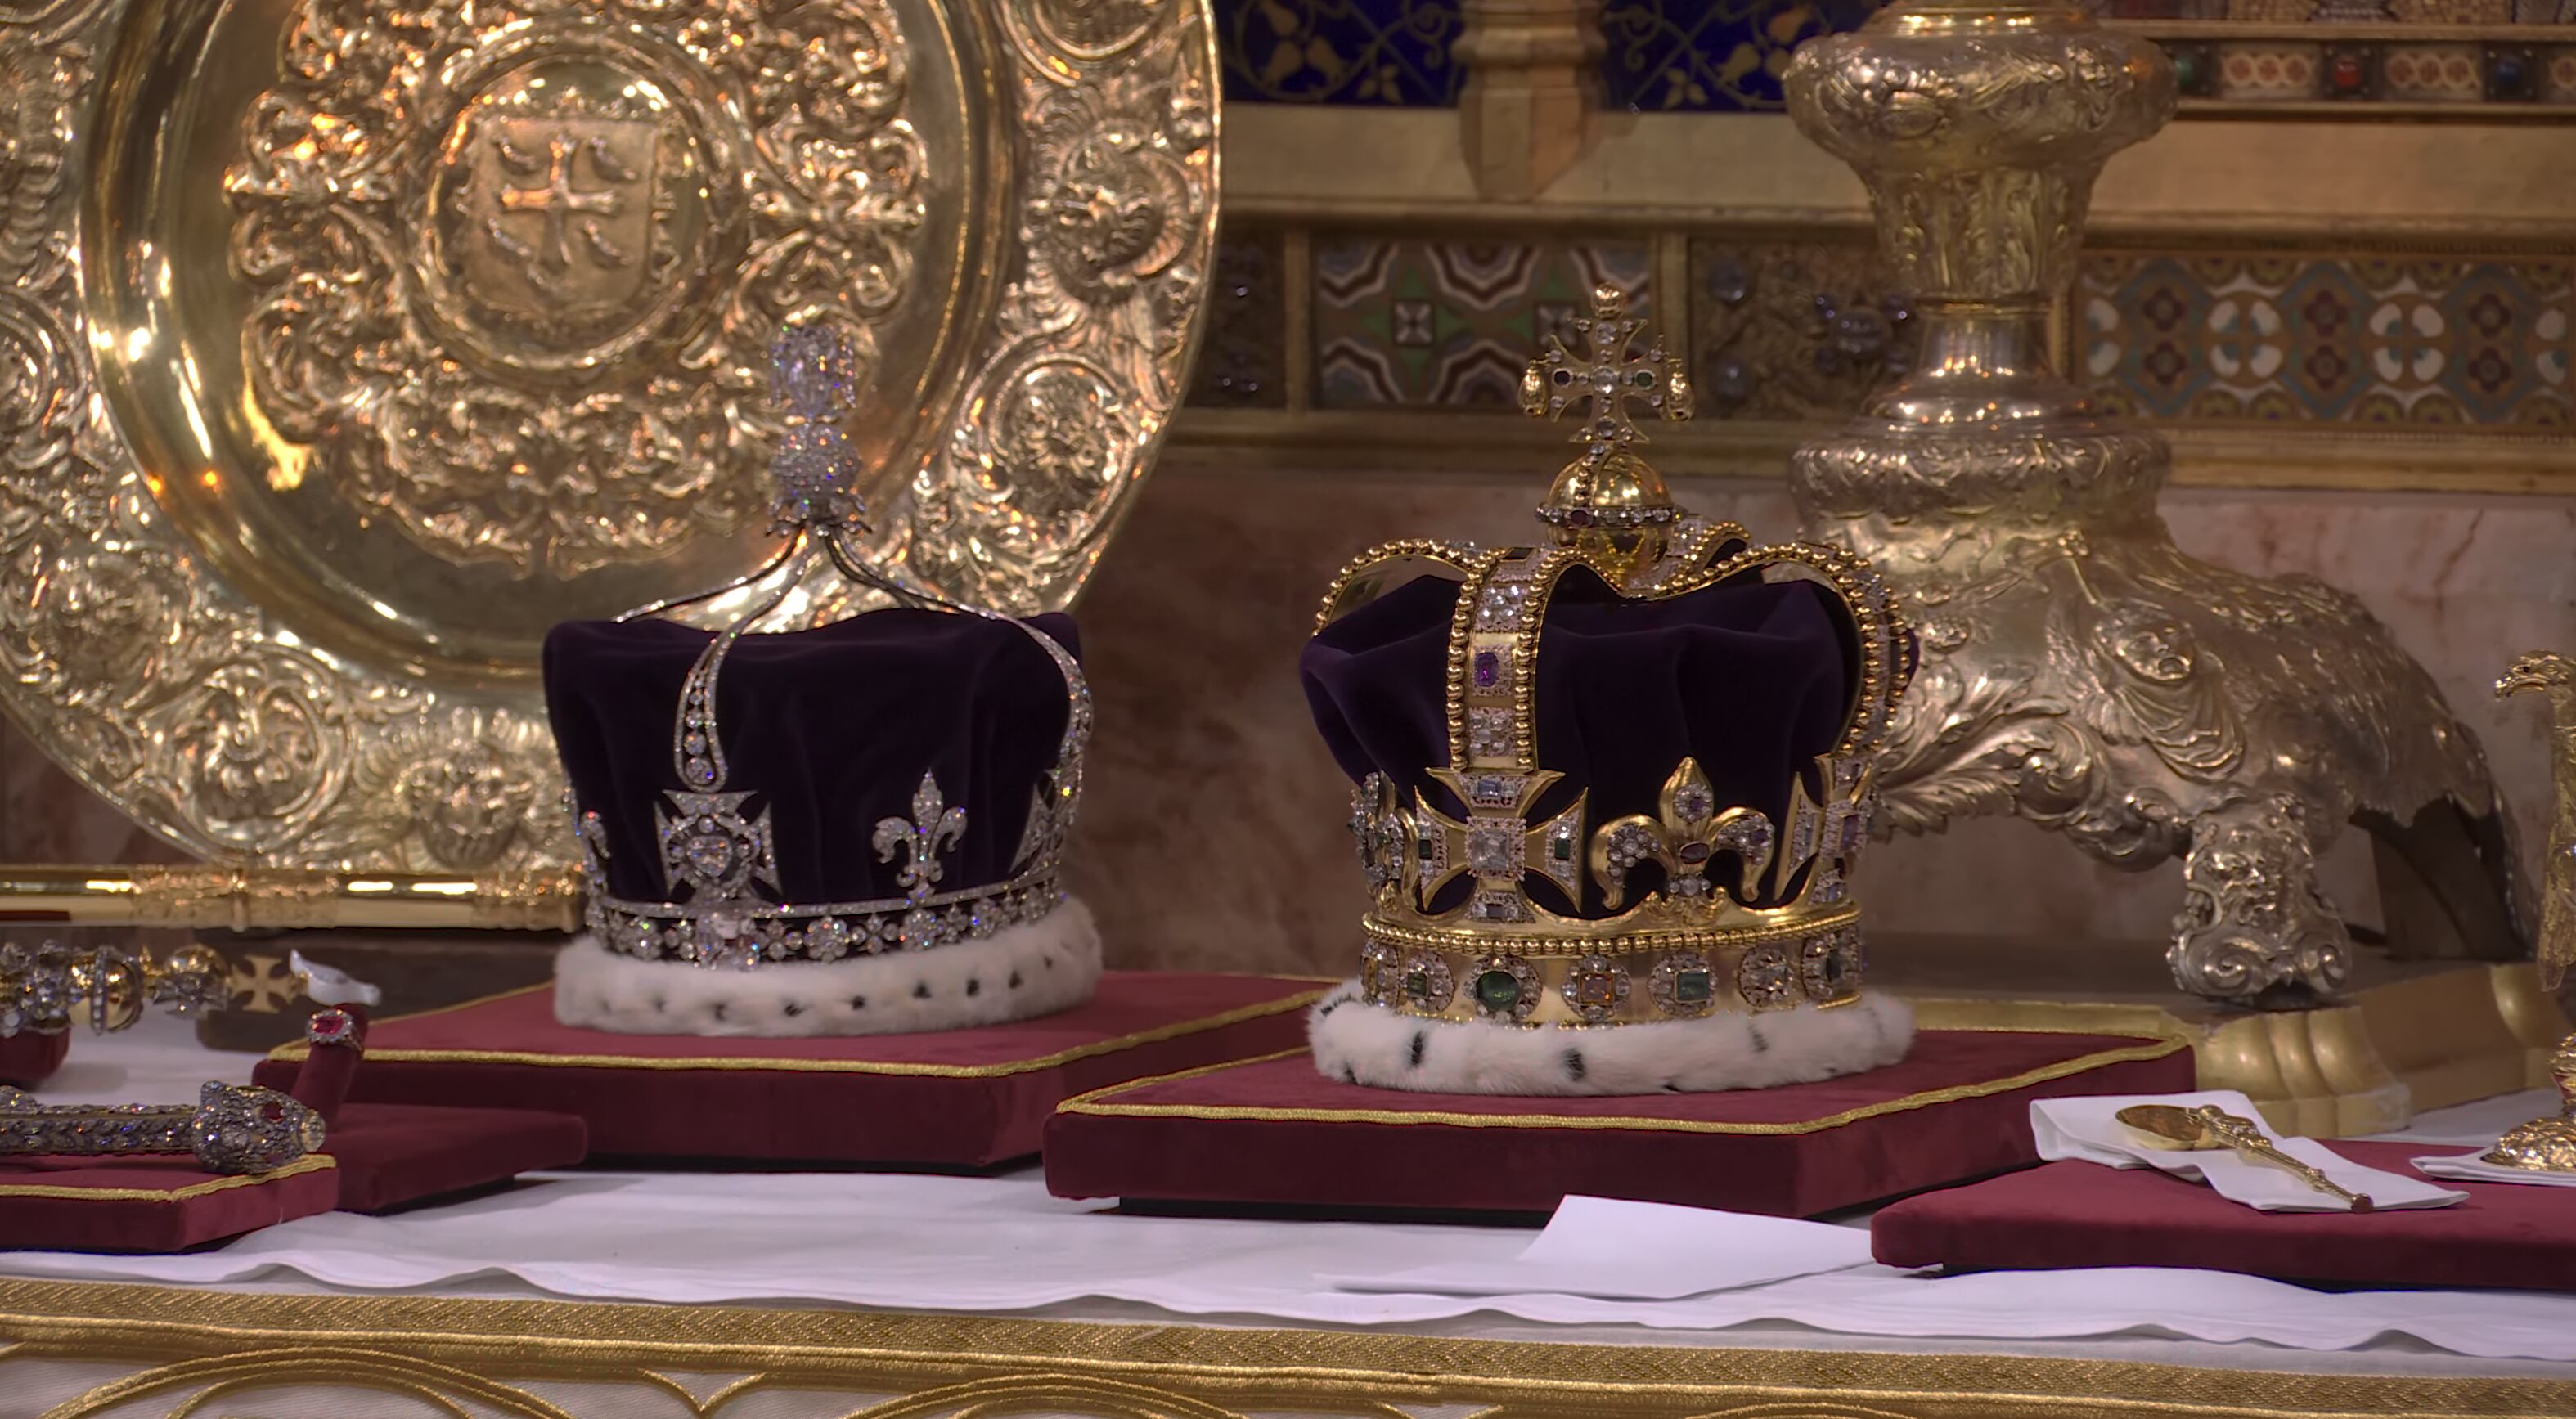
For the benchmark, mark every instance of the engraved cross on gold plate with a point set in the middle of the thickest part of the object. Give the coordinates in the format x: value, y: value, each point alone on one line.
x: 545, y: 186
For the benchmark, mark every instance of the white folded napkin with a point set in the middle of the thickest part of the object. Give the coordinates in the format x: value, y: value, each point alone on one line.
x: 327, y: 985
x: 2466, y: 1168
x: 2088, y: 1128
x: 1638, y: 1251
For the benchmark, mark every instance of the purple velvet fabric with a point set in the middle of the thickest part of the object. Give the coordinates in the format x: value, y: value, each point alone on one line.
x: 1750, y: 678
x: 832, y: 728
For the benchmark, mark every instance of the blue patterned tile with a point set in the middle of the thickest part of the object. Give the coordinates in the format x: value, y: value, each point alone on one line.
x: 1723, y: 56
x: 1340, y: 51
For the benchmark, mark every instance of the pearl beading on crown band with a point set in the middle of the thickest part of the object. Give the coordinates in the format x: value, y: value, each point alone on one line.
x: 762, y: 934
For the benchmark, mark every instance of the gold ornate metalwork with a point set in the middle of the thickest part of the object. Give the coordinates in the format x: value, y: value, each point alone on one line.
x: 2078, y: 669
x: 1608, y: 493
x: 586, y: 200
x: 2555, y: 677
x: 247, y: 898
x: 286, y: 516
x: 499, y: 1353
x: 2361, y: 1067
x: 1684, y: 838
x: 2546, y: 1145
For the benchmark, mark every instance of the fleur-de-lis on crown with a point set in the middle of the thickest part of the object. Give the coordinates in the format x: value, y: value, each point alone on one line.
x: 1686, y: 835
x: 932, y: 830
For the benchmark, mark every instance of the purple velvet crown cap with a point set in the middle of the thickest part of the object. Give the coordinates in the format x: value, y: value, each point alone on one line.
x: 830, y: 730
x: 1751, y: 678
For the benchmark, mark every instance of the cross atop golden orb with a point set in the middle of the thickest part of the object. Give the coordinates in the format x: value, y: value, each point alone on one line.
x: 1607, y: 492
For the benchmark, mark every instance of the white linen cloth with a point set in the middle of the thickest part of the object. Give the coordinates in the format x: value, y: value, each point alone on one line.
x: 995, y: 1245
x: 1638, y: 1251
x: 2465, y: 1167
x: 2088, y: 1128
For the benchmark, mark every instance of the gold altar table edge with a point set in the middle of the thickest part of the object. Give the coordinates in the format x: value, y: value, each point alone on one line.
x: 488, y: 1351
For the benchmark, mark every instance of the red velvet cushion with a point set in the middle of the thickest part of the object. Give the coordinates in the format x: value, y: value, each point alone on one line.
x: 394, y: 1154
x: 29, y: 1059
x: 967, y: 1098
x: 1273, y: 1132
x: 149, y: 1204
x: 2084, y: 1214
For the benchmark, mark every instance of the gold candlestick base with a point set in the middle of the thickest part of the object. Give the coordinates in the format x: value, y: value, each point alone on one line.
x: 2077, y: 668
x: 2546, y: 1145
x: 2409, y: 1037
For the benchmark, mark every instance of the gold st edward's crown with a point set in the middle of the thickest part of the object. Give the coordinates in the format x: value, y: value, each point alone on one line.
x: 1751, y: 915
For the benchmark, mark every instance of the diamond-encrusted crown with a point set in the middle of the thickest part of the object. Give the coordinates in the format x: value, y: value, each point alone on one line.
x: 1596, y: 873
x: 893, y: 860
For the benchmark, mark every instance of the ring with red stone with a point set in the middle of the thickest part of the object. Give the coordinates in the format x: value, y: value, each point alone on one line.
x: 334, y: 1026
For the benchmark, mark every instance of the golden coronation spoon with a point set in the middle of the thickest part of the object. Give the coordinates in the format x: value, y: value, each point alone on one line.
x: 2209, y: 1126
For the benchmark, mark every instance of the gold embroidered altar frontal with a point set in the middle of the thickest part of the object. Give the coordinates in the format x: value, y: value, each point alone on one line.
x: 79, y: 1350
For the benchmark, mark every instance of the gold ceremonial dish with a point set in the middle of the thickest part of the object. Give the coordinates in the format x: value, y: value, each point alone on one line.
x: 346, y: 345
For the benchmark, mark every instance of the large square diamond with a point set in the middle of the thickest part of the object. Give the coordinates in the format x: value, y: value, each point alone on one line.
x: 1495, y: 850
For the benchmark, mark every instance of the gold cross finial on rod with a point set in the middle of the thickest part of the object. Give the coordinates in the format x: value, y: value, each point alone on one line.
x: 1606, y: 376
x: 1608, y: 490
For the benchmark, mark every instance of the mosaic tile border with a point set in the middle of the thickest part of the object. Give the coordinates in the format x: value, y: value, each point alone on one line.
x: 2457, y: 344
x: 1243, y: 354
x: 2267, y: 363
x: 2517, y: 68
x: 1415, y: 322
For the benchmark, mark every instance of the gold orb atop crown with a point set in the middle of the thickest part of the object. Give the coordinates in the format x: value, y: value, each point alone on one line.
x: 1609, y: 497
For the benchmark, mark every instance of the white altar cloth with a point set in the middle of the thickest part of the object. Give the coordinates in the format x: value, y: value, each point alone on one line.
x: 1003, y: 1245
